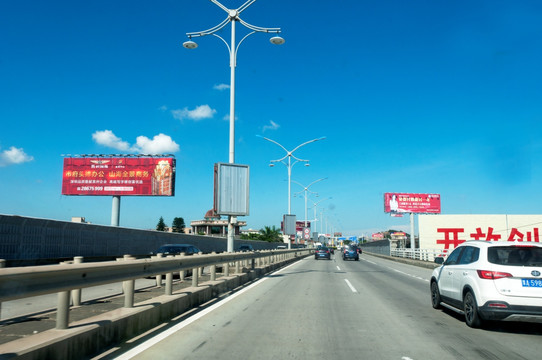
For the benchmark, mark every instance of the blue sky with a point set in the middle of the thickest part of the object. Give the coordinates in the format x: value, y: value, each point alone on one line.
x: 412, y: 96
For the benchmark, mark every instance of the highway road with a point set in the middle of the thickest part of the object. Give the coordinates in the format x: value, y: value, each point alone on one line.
x: 320, y: 309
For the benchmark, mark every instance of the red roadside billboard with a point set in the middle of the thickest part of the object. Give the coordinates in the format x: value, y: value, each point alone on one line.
x: 411, y: 203
x: 119, y: 176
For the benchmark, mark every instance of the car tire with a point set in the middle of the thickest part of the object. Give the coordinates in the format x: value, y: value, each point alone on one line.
x: 435, y: 295
x: 470, y: 307
x: 357, y: 259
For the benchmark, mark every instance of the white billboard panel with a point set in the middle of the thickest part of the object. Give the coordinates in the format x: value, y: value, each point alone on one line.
x: 289, y: 224
x: 447, y: 231
x: 231, y: 189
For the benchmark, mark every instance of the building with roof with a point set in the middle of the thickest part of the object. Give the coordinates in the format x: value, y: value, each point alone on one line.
x: 213, y: 224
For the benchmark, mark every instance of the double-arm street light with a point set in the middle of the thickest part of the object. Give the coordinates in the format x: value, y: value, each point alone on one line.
x: 233, y: 47
x: 232, y: 18
x: 305, y: 191
x: 289, y: 155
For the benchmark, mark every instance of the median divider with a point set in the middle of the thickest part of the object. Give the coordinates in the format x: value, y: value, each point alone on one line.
x: 86, y: 336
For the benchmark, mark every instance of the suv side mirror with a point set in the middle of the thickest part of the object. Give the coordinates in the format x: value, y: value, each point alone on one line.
x: 439, y: 260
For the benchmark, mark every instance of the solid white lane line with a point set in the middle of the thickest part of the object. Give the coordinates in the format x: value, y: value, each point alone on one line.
x: 410, y: 275
x: 153, y: 341
x: 350, y: 286
x: 338, y: 268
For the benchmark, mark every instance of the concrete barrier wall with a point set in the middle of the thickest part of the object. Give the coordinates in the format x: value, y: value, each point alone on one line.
x: 377, y: 247
x: 24, y: 238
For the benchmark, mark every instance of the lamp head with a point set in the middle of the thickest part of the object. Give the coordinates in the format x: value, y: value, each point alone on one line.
x: 307, y: 164
x: 271, y: 165
x: 190, y: 44
x: 277, y: 40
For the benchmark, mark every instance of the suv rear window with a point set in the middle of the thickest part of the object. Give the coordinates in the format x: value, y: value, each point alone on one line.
x: 515, y: 255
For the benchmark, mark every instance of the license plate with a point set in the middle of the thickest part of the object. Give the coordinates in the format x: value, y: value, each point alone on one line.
x: 531, y: 283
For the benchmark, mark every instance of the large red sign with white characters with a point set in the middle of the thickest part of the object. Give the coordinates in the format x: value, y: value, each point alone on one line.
x: 119, y: 176
x: 446, y: 232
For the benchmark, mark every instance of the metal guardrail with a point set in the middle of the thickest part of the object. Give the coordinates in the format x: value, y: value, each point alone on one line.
x: 23, y: 282
x: 419, y: 254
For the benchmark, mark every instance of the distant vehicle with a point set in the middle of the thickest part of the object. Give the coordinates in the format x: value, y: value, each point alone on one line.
x: 350, y: 252
x: 176, y: 249
x: 486, y: 280
x: 322, y: 252
x: 245, y: 247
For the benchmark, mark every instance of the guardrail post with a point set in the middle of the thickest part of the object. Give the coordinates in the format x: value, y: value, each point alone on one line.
x: 76, y: 293
x: 213, y: 269
x: 63, y: 310
x: 128, y: 287
x: 182, y: 273
x: 237, y: 267
x: 200, y: 270
x: 195, y: 277
x: 169, y: 281
x: 159, y: 277
x: 226, y: 269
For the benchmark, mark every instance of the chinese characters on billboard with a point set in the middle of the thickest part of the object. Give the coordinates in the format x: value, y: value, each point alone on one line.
x: 396, y: 203
x: 446, y: 232
x: 119, y: 176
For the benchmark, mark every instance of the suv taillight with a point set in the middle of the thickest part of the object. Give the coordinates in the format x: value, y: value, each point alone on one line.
x: 492, y: 275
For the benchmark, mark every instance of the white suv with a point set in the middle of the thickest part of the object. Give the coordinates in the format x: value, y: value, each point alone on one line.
x: 491, y: 281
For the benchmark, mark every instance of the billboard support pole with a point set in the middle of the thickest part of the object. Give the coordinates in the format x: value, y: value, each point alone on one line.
x: 115, y: 211
x: 412, y: 236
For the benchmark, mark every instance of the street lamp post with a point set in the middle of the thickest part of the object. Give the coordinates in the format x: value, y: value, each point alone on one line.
x: 232, y: 18
x: 289, y: 164
x: 305, y: 190
x: 315, y: 204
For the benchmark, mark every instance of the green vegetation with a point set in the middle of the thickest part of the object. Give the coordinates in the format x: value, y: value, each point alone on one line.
x: 161, y: 226
x: 270, y: 234
x: 178, y: 225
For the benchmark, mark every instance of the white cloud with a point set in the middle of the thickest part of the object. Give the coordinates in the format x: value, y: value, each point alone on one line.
x: 272, y: 126
x: 108, y: 139
x: 199, y: 113
x: 14, y: 156
x: 159, y: 144
x: 221, y: 87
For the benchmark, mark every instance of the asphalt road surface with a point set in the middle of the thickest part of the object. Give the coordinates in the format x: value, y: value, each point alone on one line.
x: 320, y: 309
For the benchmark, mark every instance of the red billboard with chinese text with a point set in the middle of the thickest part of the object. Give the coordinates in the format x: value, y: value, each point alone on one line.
x: 411, y: 203
x: 119, y: 176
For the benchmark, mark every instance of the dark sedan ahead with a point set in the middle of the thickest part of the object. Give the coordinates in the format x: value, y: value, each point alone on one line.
x: 350, y: 252
x: 322, y: 253
x: 176, y: 249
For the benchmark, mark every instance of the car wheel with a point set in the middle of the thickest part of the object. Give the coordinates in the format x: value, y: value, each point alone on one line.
x: 357, y: 259
x: 435, y: 295
x: 472, y: 317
